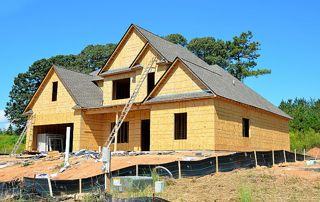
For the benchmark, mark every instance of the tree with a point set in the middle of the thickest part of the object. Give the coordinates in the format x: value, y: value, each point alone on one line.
x: 210, y: 50
x: 177, y: 39
x: 25, y: 84
x: 242, y: 53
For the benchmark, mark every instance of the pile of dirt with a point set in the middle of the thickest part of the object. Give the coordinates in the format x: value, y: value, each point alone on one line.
x: 314, y: 152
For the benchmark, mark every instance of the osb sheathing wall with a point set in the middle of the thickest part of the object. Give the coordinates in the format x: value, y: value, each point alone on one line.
x: 134, y: 76
x: 178, y: 81
x: 200, y: 125
x: 48, y: 112
x: 127, y: 50
x: 267, y: 131
x: 95, y: 128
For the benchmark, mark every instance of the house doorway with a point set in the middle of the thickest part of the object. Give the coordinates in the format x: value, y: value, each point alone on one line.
x: 145, y: 135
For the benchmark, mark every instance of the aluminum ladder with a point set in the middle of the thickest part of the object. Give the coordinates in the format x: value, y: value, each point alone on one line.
x: 129, y: 104
x: 21, y: 137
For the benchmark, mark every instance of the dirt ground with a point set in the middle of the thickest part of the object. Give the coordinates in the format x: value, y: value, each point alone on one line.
x: 314, y: 152
x: 82, y: 167
x: 287, y: 183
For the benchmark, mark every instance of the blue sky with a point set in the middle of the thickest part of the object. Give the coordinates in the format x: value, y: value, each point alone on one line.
x: 288, y: 31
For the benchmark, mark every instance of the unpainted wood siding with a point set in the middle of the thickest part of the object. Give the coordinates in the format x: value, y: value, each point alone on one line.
x: 267, y: 131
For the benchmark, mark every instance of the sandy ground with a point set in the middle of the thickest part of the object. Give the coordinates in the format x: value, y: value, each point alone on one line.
x: 259, y: 184
x: 82, y: 167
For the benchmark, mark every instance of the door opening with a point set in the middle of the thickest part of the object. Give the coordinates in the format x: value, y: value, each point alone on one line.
x: 145, y: 135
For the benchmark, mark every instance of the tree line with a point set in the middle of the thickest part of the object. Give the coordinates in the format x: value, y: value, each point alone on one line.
x: 237, y: 56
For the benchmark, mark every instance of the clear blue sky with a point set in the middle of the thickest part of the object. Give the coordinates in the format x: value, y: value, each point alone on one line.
x: 289, y: 32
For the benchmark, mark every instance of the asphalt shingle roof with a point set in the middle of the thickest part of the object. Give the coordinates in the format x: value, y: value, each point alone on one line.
x: 217, y: 79
x: 80, y: 86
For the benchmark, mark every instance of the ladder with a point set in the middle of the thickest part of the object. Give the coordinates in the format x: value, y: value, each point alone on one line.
x: 129, y: 104
x: 21, y: 137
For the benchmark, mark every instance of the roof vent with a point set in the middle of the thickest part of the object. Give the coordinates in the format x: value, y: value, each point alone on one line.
x: 233, y: 82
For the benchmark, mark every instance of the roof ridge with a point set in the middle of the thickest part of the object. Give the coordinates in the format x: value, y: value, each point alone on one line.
x: 74, y: 71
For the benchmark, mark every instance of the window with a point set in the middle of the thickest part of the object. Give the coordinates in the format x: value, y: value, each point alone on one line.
x: 150, y: 82
x: 121, y: 89
x: 54, y: 91
x: 245, y: 127
x: 180, y: 126
x: 123, y: 132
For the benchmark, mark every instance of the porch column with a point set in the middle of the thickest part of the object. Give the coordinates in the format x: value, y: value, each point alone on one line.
x: 116, y: 136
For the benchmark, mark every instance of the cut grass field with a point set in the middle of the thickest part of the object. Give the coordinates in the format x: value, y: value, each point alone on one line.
x: 7, y: 143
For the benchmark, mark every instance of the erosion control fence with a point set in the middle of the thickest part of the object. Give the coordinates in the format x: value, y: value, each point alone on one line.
x: 178, y: 169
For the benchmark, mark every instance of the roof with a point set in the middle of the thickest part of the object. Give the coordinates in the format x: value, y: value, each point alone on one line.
x: 120, y: 70
x: 80, y: 86
x: 221, y: 82
x: 182, y: 96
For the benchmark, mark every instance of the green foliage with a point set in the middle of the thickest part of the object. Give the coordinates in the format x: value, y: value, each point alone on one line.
x: 305, y: 114
x: 25, y: 84
x: 177, y: 39
x: 8, y: 141
x: 300, y: 140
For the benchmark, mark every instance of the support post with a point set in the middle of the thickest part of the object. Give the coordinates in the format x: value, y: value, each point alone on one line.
x: 295, y: 155
x: 255, y: 158
x: 80, y: 186
x: 66, y: 158
x: 50, y: 187
x: 106, y: 160
x: 304, y: 154
x: 217, y: 164
x: 116, y: 135
x: 284, y: 156
x: 137, y: 170
x: 179, y: 168
x: 272, y: 157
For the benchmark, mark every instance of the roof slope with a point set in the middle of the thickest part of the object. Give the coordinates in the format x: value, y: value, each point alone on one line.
x: 217, y: 79
x: 80, y: 86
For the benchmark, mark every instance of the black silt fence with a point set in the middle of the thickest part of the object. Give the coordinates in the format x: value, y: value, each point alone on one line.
x: 128, y: 171
x: 279, y: 157
x: 236, y: 161
x: 9, y: 188
x: 62, y: 187
x: 95, y: 183
x: 146, y: 170
x: 198, y: 168
x: 36, y: 186
x: 290, y: 157
x: 300, y: 157
x: 264, y: 158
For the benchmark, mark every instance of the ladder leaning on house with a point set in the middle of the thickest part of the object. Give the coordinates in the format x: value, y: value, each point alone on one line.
x: 21, y: 136
x: 129, y: 104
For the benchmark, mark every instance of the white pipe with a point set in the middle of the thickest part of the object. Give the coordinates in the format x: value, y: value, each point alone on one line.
x: 66, y: 158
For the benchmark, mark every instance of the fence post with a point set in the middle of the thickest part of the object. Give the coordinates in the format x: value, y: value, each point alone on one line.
x: 295, y: 155
x: 255, y: 158
x: 304, y: 154
x: 50, y: 187
x: 80, y: 186
x: 272, y: 157
x: 137, y: 170
x: 179, y: 168
x: 217, y: 164
x: 284, y: 156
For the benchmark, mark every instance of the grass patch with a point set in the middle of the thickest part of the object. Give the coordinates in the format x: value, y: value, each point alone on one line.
x: 304, y: 140
x: 7, y: 143
x: 245, y: 194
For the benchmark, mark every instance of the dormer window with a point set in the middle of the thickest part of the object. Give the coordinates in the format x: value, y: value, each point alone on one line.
x: 121, y: 89
x: 54, y: 91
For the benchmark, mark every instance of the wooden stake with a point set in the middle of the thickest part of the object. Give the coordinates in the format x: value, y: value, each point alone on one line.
x: 137, y: 170
x: 272, y: 157
x: 50, y: 187
x: 217, y: 164
x: 304, y: 154
x: 255, y: 158
x: 284, y: 156
x: 80, y: 186
x: 179, y: 168
x: 295, y: 155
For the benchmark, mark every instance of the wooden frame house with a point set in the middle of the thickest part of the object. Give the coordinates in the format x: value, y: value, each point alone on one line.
x: 184, y: 104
